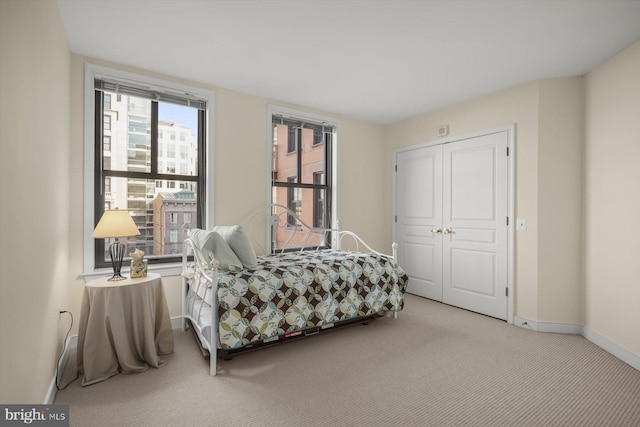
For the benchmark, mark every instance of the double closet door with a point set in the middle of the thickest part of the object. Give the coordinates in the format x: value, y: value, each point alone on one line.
x: 452, y: 221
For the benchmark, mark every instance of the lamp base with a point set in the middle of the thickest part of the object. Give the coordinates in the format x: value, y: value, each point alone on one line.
x: 116, y: 250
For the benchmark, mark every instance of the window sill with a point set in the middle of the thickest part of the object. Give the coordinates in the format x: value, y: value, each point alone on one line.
x: 164, y: 270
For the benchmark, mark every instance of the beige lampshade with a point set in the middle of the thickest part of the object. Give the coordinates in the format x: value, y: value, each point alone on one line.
x: 115, y: 223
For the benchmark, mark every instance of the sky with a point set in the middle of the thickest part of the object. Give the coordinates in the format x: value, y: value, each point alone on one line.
x: 185, y: 116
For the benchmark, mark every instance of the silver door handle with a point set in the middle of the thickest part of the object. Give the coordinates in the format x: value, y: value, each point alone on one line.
x: 436, y: 230
x: 448, y: 231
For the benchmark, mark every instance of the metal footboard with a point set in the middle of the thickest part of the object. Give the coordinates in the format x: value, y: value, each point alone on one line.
x: 200, y: 280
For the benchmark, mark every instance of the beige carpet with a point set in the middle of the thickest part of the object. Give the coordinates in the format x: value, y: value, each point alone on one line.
x: 433, y: 366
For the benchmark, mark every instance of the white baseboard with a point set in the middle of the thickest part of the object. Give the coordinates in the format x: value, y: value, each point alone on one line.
x: 627, y: 356
x: 525, y: 323
x: 609, y: 346
x: 176, y: 322
x: 558, y: 328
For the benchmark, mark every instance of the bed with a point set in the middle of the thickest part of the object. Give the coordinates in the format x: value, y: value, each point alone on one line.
x: 244, y: 302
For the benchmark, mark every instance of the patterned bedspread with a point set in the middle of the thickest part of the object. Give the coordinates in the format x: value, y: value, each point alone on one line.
x: 298, y: 290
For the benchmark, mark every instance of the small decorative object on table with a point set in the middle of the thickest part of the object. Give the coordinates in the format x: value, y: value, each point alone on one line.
x: 138, y: 265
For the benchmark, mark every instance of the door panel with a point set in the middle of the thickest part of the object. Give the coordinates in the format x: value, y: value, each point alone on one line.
x: 475, y: 195
x: 418, y: 211
x: 473, y: 271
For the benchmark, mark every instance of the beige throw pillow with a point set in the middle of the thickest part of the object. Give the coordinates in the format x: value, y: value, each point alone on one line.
x: 212, y: 245
x: 239, y: 243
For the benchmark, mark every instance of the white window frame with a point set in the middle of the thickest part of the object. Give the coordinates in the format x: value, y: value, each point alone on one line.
x: 272, y: 110
x: 92, y: 72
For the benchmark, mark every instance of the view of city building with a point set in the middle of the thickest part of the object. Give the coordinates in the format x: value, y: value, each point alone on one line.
x: 174, y: 214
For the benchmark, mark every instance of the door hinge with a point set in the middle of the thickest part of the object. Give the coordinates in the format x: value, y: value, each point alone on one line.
x: 507, y: 151
x: 396, y: 168
x: 395, y: 219
x: 507, y: 220
x: 506, y: 291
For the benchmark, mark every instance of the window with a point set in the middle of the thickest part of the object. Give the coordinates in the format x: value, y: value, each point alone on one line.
x: 318, y: 200
x: 302, y: 171
x: 292, y: 140
x: 294, y: 201
x: 187, y: 217
x: 318, y: 136
x: 130, y: 175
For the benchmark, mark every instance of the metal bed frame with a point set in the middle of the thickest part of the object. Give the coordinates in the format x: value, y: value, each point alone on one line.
x: 207, y: 286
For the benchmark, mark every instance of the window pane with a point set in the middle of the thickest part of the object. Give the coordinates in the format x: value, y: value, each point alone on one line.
x: 313, y: 156
x: 318, y: 201
x: 157, y: 212
x: 286, y: 161
x: 177, y: 139
x: 305, y: 203
x: 128, y: 134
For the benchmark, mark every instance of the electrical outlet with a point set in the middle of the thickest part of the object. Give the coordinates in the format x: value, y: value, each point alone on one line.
x: 521, y: 224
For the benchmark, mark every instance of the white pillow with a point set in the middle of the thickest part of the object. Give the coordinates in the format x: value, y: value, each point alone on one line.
x: 212, y: 245
x: 239, y: 243
x: 198, y: 238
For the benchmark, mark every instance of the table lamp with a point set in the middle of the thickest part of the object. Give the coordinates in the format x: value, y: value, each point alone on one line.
x: 115, y: 224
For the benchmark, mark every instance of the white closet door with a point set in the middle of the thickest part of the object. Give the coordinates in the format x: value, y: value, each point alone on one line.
x: 475, y: 231
x: 419, y: 211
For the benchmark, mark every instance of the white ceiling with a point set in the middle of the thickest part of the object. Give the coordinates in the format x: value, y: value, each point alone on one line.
x: 378, y: 60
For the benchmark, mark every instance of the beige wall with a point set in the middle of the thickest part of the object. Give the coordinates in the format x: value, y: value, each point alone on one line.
x: 560, y: 159
x: 612, y: 200
x: 34, y: 196
x: 363, y: 210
